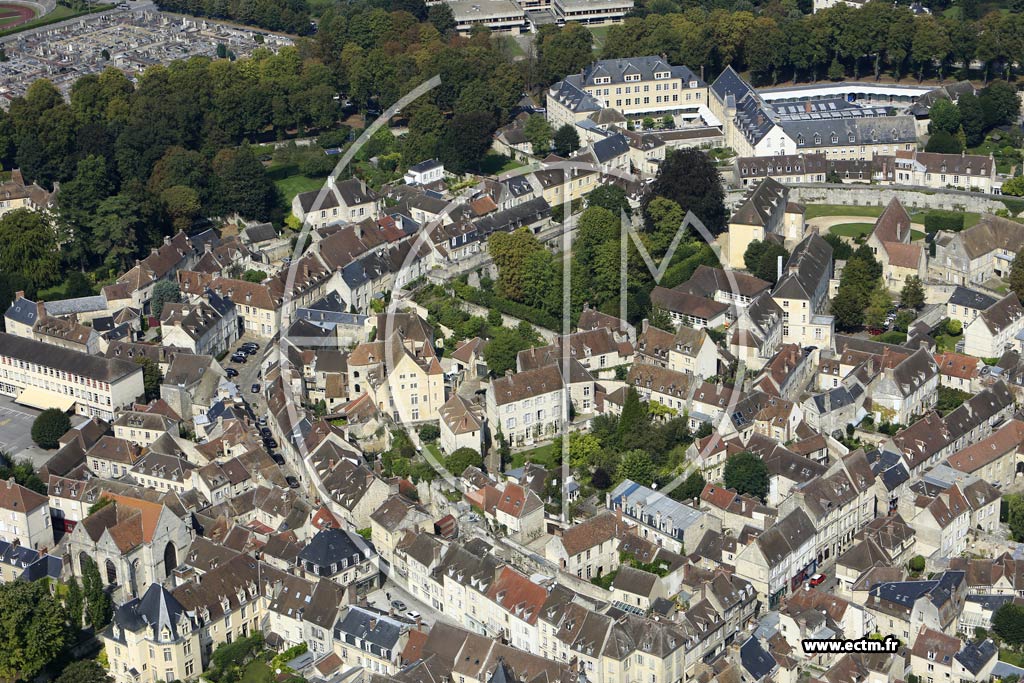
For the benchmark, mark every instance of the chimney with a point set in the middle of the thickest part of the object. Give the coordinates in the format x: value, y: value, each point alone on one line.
x: 208, y: 247
x: 10, y: 482
x: 644, y: 324
x: 40, y: 310
x: 779, y: 268
x: 167, y: 239
x: 20, y: 294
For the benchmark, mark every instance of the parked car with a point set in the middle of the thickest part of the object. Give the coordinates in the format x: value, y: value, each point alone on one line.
x: 262, y: 421
x: 817, y: 579
x: 231, y: 372
x: 277, y: 457
x: 413, y: 614
x: 239, y: 357
x: 265, y: 433
x: 255, y: 388
x: 292, y: 482
x: 398, y: 605
x: 270, y: 443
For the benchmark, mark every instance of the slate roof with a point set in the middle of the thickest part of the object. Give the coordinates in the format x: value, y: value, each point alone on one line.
x: 976, y: 654
x: 72, y: 362
x: 756, y: 660
x: 379, y: 630
x: 155, y: 611
x: 810, y: 262
x: 970, y: 298
x: 760, y: 204
x: 678, y: 301
x: 330, y: 546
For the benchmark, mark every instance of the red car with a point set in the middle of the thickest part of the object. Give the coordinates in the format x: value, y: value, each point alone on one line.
x: 817, y: 579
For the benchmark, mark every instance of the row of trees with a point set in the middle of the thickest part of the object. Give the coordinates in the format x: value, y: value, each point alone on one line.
x: 842, y: 41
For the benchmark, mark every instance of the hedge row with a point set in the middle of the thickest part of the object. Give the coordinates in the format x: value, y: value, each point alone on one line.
x: 515, y: 309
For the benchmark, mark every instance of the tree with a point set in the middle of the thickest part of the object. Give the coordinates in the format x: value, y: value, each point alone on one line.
x: 916, y: 564
x: 461, y: 458
x: 97, y: 603
x: 164, y: 292
x: 972, y: 116
x: 600, y: 479
x: 752, y: 256
x: 562, y: 51
x: 466, y: 141
x: 32, y: 631
x: 182, y: 204
x: 691, y: 487
x: 912, y: 295
x: 75, y: 603
x: 942, y: 142
x: 49, y: 426
x: 636, y: 464
x: 855, y: 287
x: 76, y: 285
x: 30, y: 247
x: 944, y: 117
x: 841, y: 249
x: 241, y: 185
x: 878, y: 308
x: 1014, y: 186
x: 746, y: 474
x: 84, y: 671
x: 1000, y: 104
x: 633, y: 419
x: 440, y: 15
x: 116, y: 226
x: 255, y: 276
x: 538, y: 131
x: 1016, y: 277
x: 510, y: 252
x: 567, y: 140
x: 1008, y: 623
x: 151, y: 377
x: 611, y: 197
x: 500, y: 353
x: 690, y: 179
x: 767, y: 260
x: 430, y: 433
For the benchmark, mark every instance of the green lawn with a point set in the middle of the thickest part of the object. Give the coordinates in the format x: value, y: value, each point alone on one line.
x: 916, y: 235
x: 851, y: 229
x: 542, y: 455
x: 257, y: 672
x: 947, y: 343
x: 290, y: 182
x: 494, y: 163
x: 818, y: 210
x: 600, y: 34
x: 1011, y: 657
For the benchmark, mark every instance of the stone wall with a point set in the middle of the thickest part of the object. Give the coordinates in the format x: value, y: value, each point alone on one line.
x: 876, y: 195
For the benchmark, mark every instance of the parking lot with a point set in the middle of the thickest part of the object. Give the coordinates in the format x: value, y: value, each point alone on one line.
x: 16, y: 432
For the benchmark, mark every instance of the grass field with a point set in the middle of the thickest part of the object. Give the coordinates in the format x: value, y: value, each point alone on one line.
x: 290, y: 182
x: 60, y: 13
x: 493, y: 164
x: 13, y: 15
x: 257, y: 672
x: 600, y: 34
x: 542, y: 455
x: 819, y: 210
x: 851, y: 229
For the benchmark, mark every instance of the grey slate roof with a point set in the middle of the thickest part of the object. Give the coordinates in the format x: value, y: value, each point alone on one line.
x: 975, y: 655
x: 962, y: 296
x: 756, y: 659
x: 74, y: 362
x: 331, y: 546
x: 380, y: 631
x: 23, y: 311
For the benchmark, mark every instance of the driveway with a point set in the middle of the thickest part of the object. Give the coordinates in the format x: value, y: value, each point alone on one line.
x: 823, y: 223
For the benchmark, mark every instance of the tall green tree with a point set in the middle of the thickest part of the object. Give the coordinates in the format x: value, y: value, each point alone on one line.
x: 746, y: 473
x: 49, y: 426
x: 636, y: 464
x: 562, y: 51
x: 1008, y: 624
x: 567, y: 140
x: 98, y: 608
x: 29, y: 247
x: 878, y: 308
x: 690, y: 179
x: 912, y: 294
x: 33, y: 629
x: 164, y: 292
x: 241, y: 185
x: 943, y: 117
x: 972, y: 118
x: 151, y: 377
x: 75, y: 603
x: 1016, y: 277
x: 538, y: 132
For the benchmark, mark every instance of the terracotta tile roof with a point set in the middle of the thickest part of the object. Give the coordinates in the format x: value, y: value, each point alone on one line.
x: 903, y: 255
x: 516, y: 501
x: 518, y: 595
x: 1005, y: 440
x: 958, y: 365
x: 17, y: 498
x: 893, y: 225
x: 591, y: 533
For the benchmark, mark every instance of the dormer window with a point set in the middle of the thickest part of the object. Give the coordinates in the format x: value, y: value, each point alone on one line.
x: 817, y: 139
x: 835, y: 139
x: 851, y: 138
x: 661, y: 75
